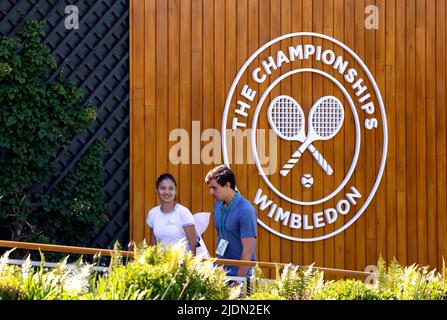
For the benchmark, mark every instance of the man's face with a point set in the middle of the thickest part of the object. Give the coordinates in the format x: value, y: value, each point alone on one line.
x: 217, y: 191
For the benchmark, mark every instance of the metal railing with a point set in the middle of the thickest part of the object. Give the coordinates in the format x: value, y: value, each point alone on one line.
x: 129, y: 254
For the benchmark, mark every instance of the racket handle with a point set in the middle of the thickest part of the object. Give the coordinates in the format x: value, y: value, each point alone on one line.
x: 321, y: 161
x: 291, y: 163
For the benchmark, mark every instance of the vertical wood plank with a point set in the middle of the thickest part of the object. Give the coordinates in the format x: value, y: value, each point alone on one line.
x: 381, y: 196
x: 174, y: 79
x: 430, y: 79
x: 317, y: 92
x: 137, y: 108
x: 275, y: 31
x: 390, y: 105
x: 307, y: 101
x: 297, y: 173
x: 149, y: 53
x: 421, y: 135
x: 185, y: 98
x: 219, y: 75
x: 410, y: 113
x: 138, y: 165
x: 241, y: 56
x: 162, y: 101
x: 350, y: 233
x: 150, y: 197
x: 264, y: 37
x: 371, y: 57
x: 339, y: 155
x: 329, y: 28
x: 360, y: 174
x: 208, y: 109
x: 253, y: 177
x: 138, y: 45
x: 149, y: 26
x: 286, y: 182
x: 196, y: 101
x: 441, y: 56
x: 401, y: 142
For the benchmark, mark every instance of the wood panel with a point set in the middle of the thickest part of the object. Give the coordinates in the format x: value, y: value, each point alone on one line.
x: 185, y: 55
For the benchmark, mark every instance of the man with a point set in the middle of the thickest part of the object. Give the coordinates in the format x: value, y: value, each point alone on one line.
x: 235, y: 220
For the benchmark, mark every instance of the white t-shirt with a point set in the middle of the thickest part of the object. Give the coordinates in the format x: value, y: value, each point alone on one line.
x: 168, y: 227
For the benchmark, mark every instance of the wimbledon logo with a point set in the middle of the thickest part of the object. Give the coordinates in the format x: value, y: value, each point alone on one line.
x: 325, y: 108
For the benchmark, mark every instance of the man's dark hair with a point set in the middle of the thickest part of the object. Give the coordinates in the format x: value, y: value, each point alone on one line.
x: 222, y: 174
x: 166, y: 176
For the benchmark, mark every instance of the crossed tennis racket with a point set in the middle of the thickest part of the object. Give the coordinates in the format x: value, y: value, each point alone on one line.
x: 286, y: 118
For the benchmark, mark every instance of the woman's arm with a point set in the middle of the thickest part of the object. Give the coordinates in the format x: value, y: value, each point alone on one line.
x: 190, y: 232
x: 153, y: 240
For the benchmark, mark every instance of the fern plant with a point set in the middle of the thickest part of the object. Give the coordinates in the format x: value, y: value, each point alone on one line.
x: 160, y: 273
x: 299, y: 283
x: 410, y: 283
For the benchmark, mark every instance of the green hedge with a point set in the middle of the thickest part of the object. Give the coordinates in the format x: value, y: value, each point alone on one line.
x: 159, y: 273
x: 393, y: 282
x: 38, y: 119
x: 156, y: 273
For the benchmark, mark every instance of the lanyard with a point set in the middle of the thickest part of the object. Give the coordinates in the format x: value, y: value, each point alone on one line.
x: 222, y: 228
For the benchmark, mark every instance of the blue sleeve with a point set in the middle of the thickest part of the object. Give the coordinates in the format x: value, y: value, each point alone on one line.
x: 216, y: 216
x: 248, y: 223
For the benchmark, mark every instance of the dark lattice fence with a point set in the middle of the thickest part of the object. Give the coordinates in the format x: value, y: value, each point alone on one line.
x: 95, y: 57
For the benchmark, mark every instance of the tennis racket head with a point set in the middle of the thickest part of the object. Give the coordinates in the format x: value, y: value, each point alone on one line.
x: 286, y: 118
x: 326, y: 118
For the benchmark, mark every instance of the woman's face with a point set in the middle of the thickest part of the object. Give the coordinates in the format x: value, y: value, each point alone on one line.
x: 166, y: 190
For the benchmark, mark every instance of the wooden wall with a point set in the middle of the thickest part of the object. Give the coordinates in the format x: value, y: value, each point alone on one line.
x: 185, y: 55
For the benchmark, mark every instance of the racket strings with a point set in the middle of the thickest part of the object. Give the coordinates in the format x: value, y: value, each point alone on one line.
x: 287, y: 117
x: 327, y: 118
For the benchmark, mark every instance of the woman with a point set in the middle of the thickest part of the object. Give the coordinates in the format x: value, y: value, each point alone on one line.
x: 171, y: 222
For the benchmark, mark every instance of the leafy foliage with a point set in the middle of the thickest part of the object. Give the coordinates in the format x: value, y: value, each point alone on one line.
x: 173, y: 274
x: 264, y: 296
x: 347, y: 290
x: 169, y: 274
x: 393, y: 282
x: 76, y: 209
x: 27, y: 283
x: 410, y: 283
x: 293, y: 283
x: 154, y: 273
x: 38, y: 118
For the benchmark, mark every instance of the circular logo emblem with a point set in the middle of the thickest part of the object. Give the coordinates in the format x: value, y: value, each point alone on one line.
x: 316, y: 126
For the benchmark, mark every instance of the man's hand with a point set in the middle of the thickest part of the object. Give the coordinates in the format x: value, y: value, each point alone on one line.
x: 247, y: 252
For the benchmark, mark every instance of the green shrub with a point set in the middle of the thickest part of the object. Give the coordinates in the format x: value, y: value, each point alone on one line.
x: 10, y: 288
x: 60, y: 283
x: 410, y: 283
x: 76, y: 210
x: 30, y: 283
x: 264, y: 296
x: 173, y: 274
x: 347, y: 290
x: 163, y: 273
x: 38, y: 118
x: 293, y: 283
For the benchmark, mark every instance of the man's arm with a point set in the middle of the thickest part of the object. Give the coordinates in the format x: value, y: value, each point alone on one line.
x: 247, y: 253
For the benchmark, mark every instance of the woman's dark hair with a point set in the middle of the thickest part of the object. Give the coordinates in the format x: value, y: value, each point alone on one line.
x: 222, y: 174
x: 166, y: 176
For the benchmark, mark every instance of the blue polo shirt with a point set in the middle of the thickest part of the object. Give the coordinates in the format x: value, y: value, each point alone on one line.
x: 238, y: 222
